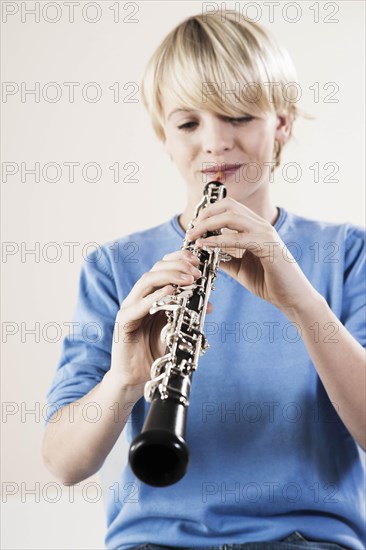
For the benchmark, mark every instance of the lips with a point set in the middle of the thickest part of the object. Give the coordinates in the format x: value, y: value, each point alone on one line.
x: 222, y: 168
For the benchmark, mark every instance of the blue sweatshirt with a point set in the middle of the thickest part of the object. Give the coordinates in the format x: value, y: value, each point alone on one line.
x: 268, y: 452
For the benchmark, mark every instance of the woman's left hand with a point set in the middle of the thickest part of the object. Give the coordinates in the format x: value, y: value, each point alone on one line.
x: 260, y: 260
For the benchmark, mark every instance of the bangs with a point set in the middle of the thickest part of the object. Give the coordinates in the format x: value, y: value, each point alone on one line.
x: 229, y: 68
x: 198, y: 80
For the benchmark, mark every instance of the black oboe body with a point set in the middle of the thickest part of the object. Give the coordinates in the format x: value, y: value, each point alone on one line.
x: 159, y: 455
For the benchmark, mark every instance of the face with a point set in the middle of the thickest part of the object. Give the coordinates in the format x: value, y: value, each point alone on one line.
x: 199, y: 140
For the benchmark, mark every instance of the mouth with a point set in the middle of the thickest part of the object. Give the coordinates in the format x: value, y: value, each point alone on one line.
x: 225, y: 169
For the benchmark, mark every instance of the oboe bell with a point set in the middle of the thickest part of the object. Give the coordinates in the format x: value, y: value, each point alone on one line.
x: 159, y: 455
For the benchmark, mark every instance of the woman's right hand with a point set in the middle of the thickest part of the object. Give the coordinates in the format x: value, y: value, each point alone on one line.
x: 136, y: 338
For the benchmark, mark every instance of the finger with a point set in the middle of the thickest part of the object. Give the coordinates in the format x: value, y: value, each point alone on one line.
x: 131, y: 313
x: 240, y: 244
x: 228, y: 204
x: 225, y: 205
x: 130, y: 316
x: 229, y: 220
x: 180, y: 264
x: 153, y: 280
x: 181, y: 254
x: 216, y: 208
x: 235, y: 250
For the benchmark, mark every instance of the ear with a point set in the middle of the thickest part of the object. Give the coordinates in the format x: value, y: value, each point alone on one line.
x: 283, y: 128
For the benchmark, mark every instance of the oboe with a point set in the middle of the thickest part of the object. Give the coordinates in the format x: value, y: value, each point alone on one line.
x: 159, y: 455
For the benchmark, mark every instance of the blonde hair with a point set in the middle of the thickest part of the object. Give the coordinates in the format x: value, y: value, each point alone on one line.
x: 206, y: 56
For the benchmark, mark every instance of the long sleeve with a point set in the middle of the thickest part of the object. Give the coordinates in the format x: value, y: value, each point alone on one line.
x: 354, y: 289
x: 86, y: 350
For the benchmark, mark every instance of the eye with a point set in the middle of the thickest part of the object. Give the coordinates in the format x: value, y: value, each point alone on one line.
x: 187, y: 126
x: 240, y: 119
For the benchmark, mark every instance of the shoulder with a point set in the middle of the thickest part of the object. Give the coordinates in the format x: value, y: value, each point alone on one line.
x: 325, y: 250
x: 346, y: 234
x: 126, y: 257
x: 145, y: 237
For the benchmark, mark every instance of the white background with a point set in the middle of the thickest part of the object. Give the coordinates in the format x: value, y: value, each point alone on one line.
x: 328, y: 56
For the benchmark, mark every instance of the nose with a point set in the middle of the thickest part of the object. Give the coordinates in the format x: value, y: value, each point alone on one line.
x: 216, y: 137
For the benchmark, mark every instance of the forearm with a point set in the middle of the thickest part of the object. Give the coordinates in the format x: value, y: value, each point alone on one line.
x: 339, y: 360
x: 76, y: 444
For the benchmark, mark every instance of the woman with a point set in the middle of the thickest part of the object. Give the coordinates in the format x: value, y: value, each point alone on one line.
x: 276, y: 423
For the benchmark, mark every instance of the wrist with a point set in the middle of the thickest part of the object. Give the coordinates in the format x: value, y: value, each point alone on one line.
x: 305, y: 309
x: 125, y: 388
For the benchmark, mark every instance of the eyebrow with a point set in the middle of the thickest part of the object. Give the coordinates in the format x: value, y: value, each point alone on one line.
x: 181, y: 110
